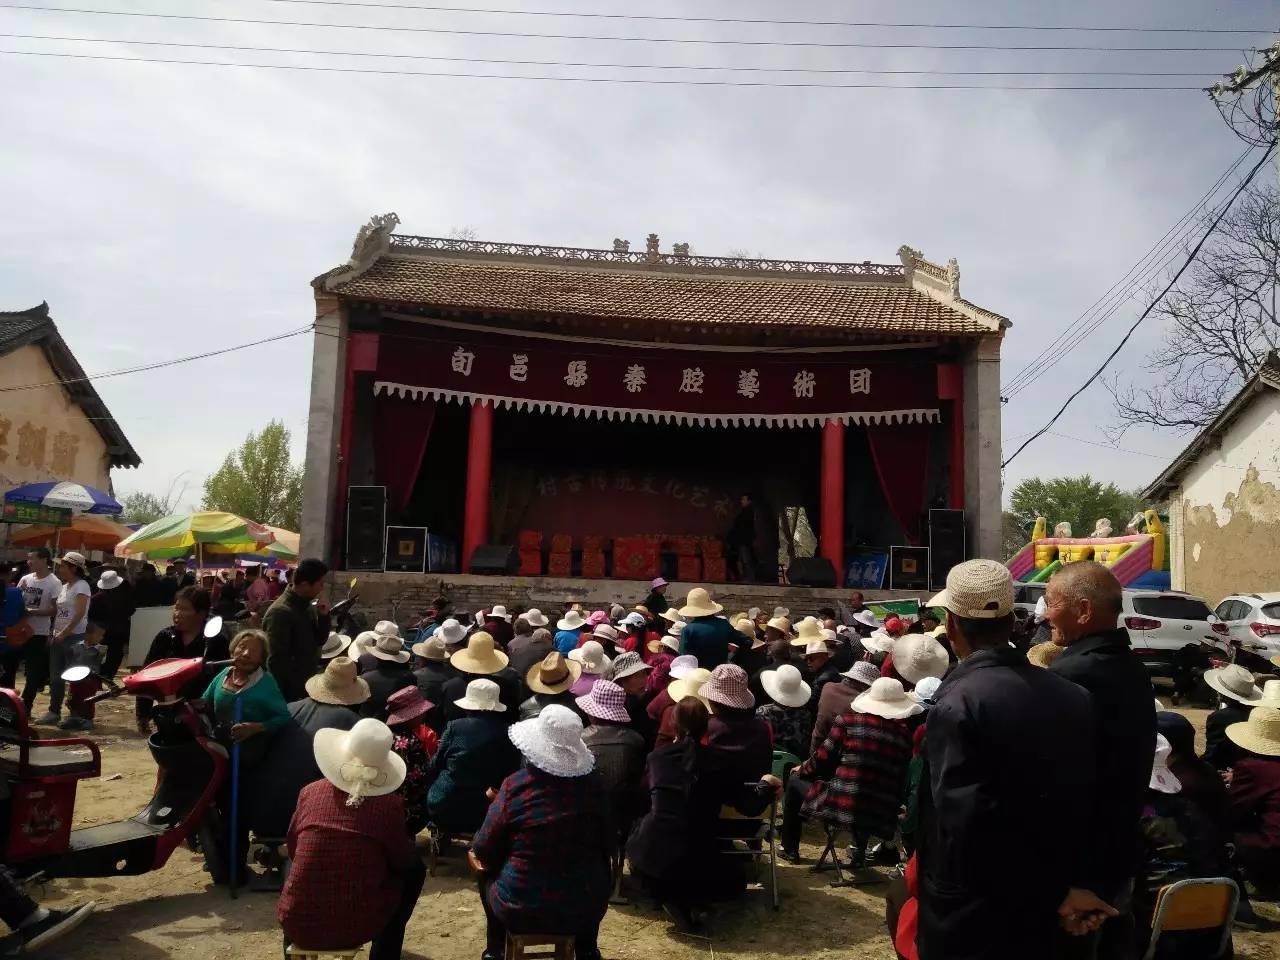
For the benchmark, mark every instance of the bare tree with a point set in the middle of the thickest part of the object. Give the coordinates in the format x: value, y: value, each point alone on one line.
x: 463, y: 233
x: 1220, y: 322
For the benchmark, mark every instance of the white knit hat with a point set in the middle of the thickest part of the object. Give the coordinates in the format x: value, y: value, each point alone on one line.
x: 916, y: 656
x: 977, y: 590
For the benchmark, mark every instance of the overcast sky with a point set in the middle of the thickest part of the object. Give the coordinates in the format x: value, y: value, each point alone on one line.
x: 165, y: 209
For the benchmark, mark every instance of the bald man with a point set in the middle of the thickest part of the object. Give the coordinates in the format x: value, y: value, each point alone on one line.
x: 1083, y: 605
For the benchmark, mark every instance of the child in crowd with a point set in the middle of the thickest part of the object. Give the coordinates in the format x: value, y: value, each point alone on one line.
x: 89, y: 653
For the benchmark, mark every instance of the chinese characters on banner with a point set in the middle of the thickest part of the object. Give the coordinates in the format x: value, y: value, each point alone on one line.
x: 697, y: 495
x: 746, y: 384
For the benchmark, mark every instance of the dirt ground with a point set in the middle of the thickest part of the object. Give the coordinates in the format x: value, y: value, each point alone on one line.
x: 175, y: 913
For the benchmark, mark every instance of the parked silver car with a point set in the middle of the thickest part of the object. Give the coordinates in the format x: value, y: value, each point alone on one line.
x: 1252, y: 621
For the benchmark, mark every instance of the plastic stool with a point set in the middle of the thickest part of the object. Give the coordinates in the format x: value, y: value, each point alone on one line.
x: 304, y: 954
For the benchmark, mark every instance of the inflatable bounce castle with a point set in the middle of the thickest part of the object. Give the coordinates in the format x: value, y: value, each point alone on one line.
x: 1138, y: 559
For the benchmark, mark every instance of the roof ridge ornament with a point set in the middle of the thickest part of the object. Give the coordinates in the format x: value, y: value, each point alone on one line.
x: 371, y: 242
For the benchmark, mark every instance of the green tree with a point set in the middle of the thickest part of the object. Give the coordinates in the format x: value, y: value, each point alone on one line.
x: 258, y: 481
x: 1081, y: 501
x: 1013, y: 536
x: 142, y: 507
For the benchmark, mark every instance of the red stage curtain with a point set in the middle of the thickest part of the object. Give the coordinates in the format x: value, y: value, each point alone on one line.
x: 400, y: 432
x: 900, y: 452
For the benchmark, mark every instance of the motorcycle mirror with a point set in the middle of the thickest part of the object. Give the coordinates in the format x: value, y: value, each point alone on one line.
x: 75, y: 674
x: 212, y: 627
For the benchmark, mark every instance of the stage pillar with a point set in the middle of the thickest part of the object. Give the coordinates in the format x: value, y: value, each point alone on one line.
x: 951, y: 387
x: 475, y: 522
x: 831, y: 537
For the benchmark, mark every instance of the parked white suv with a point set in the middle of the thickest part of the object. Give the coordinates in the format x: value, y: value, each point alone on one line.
x: 1173, y: 635
x: 1253, y: 622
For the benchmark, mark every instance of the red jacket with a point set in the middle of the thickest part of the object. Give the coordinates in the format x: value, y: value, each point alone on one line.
x: 1255, y: 812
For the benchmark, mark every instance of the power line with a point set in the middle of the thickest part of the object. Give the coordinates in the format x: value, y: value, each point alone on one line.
x: 1168, y: 257
x: 1195, y: 251
x: 651, y: 81
x: 432, y: 8
x: 611, y: 66
x: 159, y: 365
x: 831, y: 44
x: 1152, y: 261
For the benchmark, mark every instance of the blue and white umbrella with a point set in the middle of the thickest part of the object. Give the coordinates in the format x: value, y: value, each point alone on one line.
x: 76, y: 497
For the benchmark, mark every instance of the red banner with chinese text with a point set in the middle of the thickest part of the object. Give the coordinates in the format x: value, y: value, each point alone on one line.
x: 719, y: 387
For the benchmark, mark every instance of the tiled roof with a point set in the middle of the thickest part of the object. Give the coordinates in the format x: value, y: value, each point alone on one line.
x: 1267, y: 375
x: 643, y: 296
x: 914, y: 297
x: 22, y: 327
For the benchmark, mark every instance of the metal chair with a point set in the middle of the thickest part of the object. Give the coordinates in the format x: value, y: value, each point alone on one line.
x: 760, y: 837
x: 1199, y: 904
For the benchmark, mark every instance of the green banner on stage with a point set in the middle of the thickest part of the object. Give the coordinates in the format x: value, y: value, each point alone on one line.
x: 895, y: 608
x: 35, y: 513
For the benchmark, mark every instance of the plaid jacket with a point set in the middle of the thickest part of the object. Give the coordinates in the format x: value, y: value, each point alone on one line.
x: 545, y: 845
x: 344, y: 884
x: 859, y: 773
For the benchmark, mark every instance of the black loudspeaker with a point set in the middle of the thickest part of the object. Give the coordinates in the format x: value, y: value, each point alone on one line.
x: 946, y: 544
x: 366, y: 519
x: 407, y: 549
x: 811, y: 572
x: 908, y: 568
x: 495, y: 558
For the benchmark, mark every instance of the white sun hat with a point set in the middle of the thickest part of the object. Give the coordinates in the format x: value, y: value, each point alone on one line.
x: 886, y: 698
x: 535, y: 617
x: 389, y: 648
x: 573, y: 620
x: 552, y: 742
x: 451, y: 632
x: 867, y: 619
x: 359, y: 761
x: 591, y: 656
x: 499, y: 612
x: 916, y: 656
x: 1162, y: 779
x: 927, y: 689
x: 683, y: 665
x: 1234, y: 682
x: 482, y: 695
x: 606, y: 631
x: 786, y: 686
x: 863, y: 672
x: 109, y: 580
x: 878, y: 642
x: 977, y: 590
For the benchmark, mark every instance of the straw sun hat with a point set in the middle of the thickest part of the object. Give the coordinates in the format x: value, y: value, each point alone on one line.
x: 479, y: 656
x: 690, y: 685
x: 806, y: 630
x: 1260, y: 733
x: 338, y: 684
x: 554, y: 674
x: 977, y: 590
x: 916, y: 656
x: 552, y: 742
x: 359, y: 761
x: 700, y: 604
x: 432, y: 648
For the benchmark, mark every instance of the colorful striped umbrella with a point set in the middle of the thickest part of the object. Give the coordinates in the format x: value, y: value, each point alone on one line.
x: 76, y: 497
x: 85, y: 532
x: 183, y: 533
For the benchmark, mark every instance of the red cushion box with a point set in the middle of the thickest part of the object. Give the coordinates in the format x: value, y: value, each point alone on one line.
x: 531, y: 563
x: 711, y: 547
x: 530, y: 540
x: 593, y: 564
x: 713, y: 570
x: 635, y: 558
x: 561, y: 543
x: 594, y: 544
x: 559, y: 565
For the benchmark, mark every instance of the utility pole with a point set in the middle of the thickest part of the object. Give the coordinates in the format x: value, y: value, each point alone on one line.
x: 1231, y: 97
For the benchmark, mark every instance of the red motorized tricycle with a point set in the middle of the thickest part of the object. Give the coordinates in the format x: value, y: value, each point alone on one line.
x: 38, y: 780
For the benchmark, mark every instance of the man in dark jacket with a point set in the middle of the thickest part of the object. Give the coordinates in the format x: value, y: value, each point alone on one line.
x: 1083, y: 603
x: 297, y: 624
x: 1008, y: 760
x: 706, y: 635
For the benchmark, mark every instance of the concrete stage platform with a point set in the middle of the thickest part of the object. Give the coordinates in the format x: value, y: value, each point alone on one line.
x: 412, y: 593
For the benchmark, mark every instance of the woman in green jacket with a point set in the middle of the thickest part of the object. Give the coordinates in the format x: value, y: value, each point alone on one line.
x: 262, y: 712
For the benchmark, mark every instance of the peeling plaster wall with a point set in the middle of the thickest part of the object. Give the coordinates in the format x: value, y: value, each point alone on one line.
x: 1225, y: 520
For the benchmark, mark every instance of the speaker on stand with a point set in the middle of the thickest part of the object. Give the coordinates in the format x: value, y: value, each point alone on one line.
x: 811, y: 572
x: 946, y: 544
x: 366, y: 521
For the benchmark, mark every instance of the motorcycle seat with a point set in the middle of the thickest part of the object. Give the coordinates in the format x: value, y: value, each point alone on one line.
x: 53, y: 761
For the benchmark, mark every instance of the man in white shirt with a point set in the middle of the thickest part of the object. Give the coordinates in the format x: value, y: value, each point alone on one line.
x: 40, y: 589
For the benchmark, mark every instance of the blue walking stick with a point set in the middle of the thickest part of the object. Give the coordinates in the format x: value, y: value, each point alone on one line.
x: 235, y: 802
